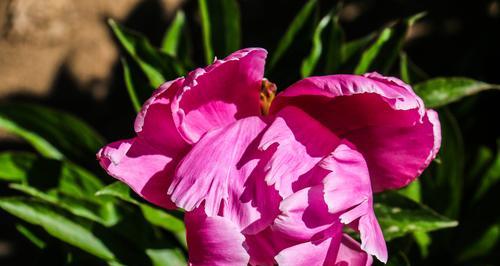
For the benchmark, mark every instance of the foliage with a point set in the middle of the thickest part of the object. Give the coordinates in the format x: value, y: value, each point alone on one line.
x: 54, y: 189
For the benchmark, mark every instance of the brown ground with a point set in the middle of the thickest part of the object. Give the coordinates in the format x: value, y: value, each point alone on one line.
x: 37, y: 37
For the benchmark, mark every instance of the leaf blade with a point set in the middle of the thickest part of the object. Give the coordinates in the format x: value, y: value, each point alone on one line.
x: 439, y: 92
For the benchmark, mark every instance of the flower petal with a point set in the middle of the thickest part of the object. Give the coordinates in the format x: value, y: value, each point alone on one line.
x: 363, y: 109
x: 348, y: 193
x: 154, y: 122
x: 397, y: 155
x: 223, y: 167
x: 322, y: 251
x: 304, y: 214
x: 350, y: 254
x: 300, y: 143
x: 140, y: 166
x: 214, y: 241
x: 220, y: 94
x: 349, y: 176
x: 265, y: 245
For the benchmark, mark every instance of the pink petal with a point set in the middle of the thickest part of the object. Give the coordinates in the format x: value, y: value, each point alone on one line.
x: 397, y: 155
x: 154, y: 122
x: 146, y: 163
x: 349, y: 176
x: 370, y: 111
x: 348, y: 192
x: 350, y: 254
x: 265, y: 245
x: 304, y: 214
x: 337, y: 249
x: 214, y: 241
x: 223, y: 171
x: 300, y: 143
x: 220, y: 94
x: 140, y: 166
x: 315, y: 252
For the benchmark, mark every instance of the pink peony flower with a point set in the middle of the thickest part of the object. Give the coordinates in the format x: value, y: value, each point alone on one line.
x: 276, y: 188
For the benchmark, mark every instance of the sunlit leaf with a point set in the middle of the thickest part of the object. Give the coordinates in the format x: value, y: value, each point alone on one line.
x: 60, y: 183
x: 382, y: 54
x: 131, y: 86
x: 297, y: 24
x: 221, y: 29
x: 54, y: 134
x: 166, y: 257
x: 311, y: 60
x: 75, y: 232
x: 172, y: 39
x: 31, y: 236
x: 438, y: 92
x: 156, y: 65
x: 154, y: 215
x: 398, y: 216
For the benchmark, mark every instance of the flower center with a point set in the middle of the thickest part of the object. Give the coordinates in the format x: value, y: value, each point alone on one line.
x: 267, y: 94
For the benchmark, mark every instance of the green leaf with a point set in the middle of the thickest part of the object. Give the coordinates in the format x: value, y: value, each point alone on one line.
x: 404, y: 68
x: 490, y: 178
x: 15, y: 165
x: 483, y: 245
x: 443, y: 182
x: 32, y: 237
x: 334, y: 46
x: 309, y: 63
x: 399, y: 215
x: 221, y: 27
x: 166, y: 257
x: 170, y: 43
x: 131, y: 85
x: 409, y: 71
x: 350, y: 49
x: 156, y: 65
x: 154, y: 215
x: 60, y: 183
x: 382, y: 54
x: 439, y: 92
x: 54, y: 134
x: 75, y: 232
x: 294, y: 28
x: 119, y: 190
x: 103, y: 213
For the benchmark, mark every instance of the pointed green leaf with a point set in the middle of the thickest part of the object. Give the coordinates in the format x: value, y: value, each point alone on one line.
x: 54, y: 134
x: 382, y: 54
x: 334, y: 46
x: 443, y: 182
x: 294, y: 28
x: 170, y: 43
x: 399, y: 215
x: 490, y: 178
x: 75, y: 232
x: 438, y: 92
x: 221, y: 27
x: 31, y: 236
x: 60, y: 183
x: 309, y: 63
x: 154, y: 215
x: 131, y: 88
x: 483, y: 245
x: 156, y: 65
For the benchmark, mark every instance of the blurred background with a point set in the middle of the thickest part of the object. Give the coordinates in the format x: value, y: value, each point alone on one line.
x: 62, y: 53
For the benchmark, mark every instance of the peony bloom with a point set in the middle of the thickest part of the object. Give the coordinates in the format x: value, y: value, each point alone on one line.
x: 277, y: 188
